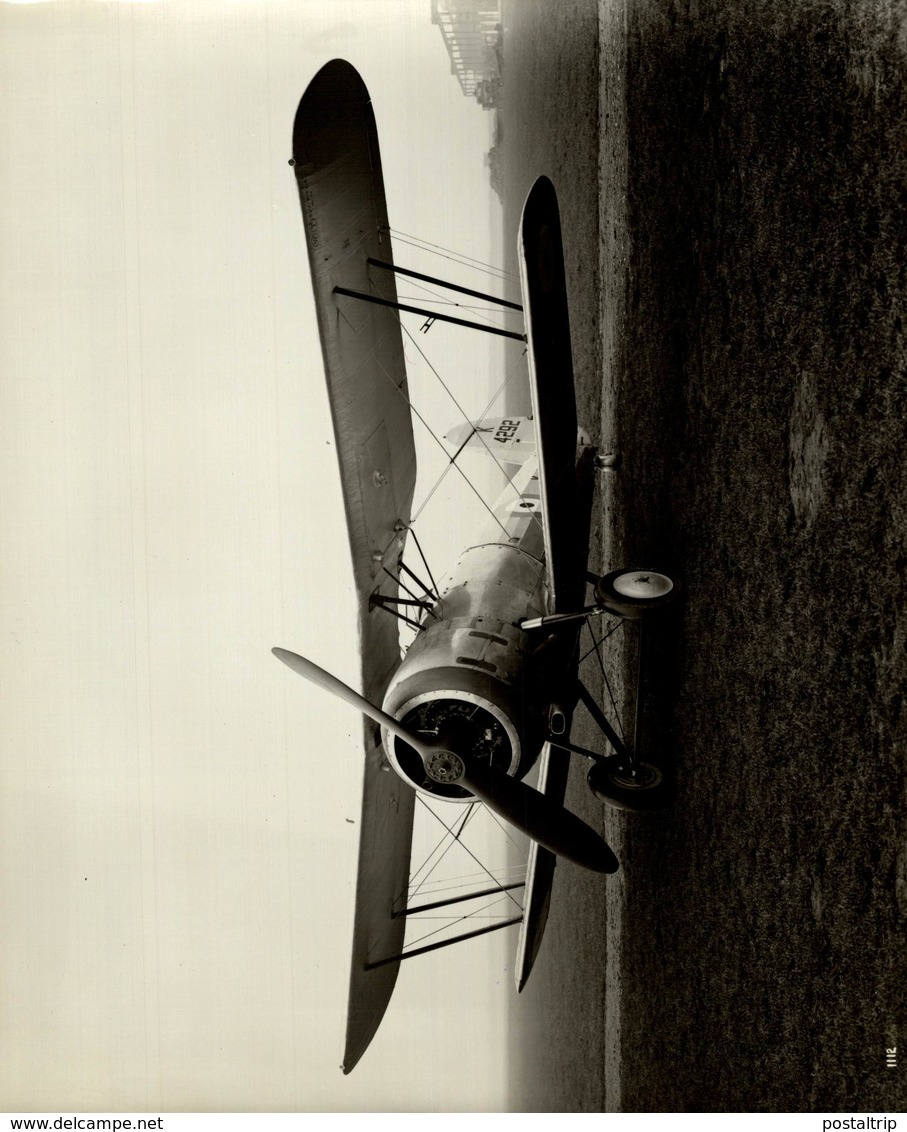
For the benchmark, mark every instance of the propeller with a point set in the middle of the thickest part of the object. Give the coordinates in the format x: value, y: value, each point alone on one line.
x: 540, y: 818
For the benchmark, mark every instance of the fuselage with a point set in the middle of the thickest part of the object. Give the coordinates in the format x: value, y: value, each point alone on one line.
x: 472, y: 674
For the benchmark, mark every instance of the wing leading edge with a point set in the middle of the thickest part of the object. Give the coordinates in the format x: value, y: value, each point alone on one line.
x: 341, y: 191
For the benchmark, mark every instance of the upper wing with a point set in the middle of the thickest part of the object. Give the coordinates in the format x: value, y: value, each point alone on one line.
x: 565, y: 518
x: 341, y: 189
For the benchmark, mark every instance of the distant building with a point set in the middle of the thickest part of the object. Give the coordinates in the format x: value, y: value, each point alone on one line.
x: 472, y: 35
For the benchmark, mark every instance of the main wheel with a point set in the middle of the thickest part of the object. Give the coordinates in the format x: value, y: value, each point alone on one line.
x: 641, y: 789
x: 637, y: 592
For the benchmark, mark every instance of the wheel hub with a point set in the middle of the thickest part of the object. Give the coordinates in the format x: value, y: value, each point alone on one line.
x: 643, y: 584
x: 641, y: 777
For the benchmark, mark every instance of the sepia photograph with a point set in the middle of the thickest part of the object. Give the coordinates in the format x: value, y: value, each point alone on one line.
x: 454, y: 573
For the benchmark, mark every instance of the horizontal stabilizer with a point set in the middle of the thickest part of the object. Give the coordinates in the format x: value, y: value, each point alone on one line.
x: 510, y: 439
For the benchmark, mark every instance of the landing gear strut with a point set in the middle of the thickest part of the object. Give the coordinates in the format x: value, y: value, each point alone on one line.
x: 622, y: 780
x: 629, y: 593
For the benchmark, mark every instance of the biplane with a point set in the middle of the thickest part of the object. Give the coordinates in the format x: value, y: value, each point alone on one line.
x: 488, y: 686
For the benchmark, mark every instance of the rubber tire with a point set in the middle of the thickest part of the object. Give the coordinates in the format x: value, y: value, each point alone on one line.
x: 617, y: 789
x: 634, y: 608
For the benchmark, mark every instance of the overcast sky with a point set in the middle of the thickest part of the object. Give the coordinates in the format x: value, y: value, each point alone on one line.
x: 178, y: 867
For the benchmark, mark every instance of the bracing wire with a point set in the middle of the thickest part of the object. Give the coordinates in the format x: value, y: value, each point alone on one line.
x: 595, y: 643
x: 449, y: 923
x: 597, y: 646
x: 497, y: 393
x: 508, y: 377
x: 438, y: 301
x: 441, y: 300
x: 455, y: 257
x: 451, y: 837
x: 452, y: 461
x: 439, y: 885
x: 504, y: 828
x: 440, y: 444
x: 450, y: 394
x: 485, y: 870
x: 488, y: 449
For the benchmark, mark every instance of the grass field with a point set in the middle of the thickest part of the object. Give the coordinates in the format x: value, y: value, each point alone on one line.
x: 733, y: 182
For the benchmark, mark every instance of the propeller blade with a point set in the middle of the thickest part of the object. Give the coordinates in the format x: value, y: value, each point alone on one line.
x: 337, y: 688
x: 535, y: 814
x: 540, y: 818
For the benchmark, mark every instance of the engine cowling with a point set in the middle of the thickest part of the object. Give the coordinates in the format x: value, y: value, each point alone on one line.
x: 470, y: 675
